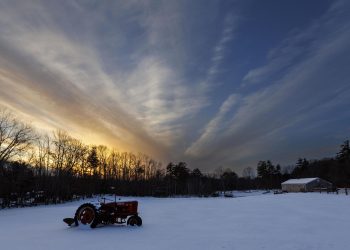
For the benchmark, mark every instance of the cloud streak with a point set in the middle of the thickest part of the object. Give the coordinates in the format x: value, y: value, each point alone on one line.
x: 148, y: 76
x: 58, y: 72
x: 266, y: 117
x: 219, y: 51
x: 214, y: 126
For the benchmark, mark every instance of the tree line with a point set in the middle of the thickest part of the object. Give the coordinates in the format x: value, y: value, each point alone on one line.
x: 334, y: 169
x: 57, y: 167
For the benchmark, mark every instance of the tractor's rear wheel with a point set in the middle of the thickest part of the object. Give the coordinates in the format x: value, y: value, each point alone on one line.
x: 86, y: 214
x: 139, y: 221
x: 134, y: 220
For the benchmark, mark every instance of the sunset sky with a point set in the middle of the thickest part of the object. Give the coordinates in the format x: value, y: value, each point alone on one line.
x: 212, y: 83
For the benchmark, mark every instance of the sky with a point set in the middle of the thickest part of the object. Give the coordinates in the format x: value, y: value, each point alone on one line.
x: 213, y: 83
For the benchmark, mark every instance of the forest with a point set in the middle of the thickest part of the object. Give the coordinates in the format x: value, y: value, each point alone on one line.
x: 37, y: 169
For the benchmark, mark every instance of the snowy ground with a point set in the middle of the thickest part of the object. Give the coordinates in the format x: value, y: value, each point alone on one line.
x: 286, y: 221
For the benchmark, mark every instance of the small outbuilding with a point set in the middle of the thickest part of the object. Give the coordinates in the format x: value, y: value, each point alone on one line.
x: 305, y: 185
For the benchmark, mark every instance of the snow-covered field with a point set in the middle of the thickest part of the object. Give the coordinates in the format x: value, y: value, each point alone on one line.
x: 286, y: 221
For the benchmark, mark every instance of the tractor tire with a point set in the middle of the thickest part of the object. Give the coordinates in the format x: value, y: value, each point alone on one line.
x: 86, y: 214
x: 139, y: 221
x: 134, y: 220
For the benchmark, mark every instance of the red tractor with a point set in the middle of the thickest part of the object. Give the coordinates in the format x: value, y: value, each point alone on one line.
x: 106, y: 213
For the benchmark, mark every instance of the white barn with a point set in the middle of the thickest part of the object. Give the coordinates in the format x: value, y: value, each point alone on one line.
x: 305, y: 184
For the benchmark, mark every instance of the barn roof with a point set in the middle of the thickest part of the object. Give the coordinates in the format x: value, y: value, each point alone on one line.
x: 300, y: 181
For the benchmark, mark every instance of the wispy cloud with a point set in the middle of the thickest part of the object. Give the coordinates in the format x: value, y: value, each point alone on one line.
x: 265, y: 117
x: 219, y: 51
x: 144, y: 76
x: 90, y: 75
x: 66, y: 77
x: 214, y: 126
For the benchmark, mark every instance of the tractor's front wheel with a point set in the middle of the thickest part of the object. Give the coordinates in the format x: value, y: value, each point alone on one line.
x: 134, y: 220
x: 86, y: 214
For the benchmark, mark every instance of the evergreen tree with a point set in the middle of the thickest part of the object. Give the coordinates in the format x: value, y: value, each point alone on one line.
x: 229, y: 179
x: 196, y: 173
x: 262, y: 169
x: 344, y: 153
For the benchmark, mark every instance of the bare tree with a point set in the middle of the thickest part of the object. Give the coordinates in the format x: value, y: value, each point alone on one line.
x: 15, y: 137
x: 102, y: 155
x: 59, y: 150
x: 248, y: 173
x: 113, y: 165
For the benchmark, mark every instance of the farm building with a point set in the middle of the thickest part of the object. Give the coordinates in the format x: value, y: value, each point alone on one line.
x: 305, y: 185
